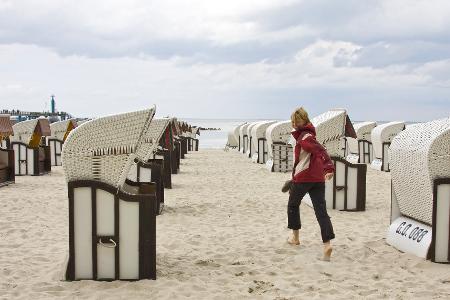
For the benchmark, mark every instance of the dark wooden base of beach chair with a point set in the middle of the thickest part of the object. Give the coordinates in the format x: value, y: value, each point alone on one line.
x: 7, y: 175
x: 176, y: 157
x: 262, y: 151
x: 184, y: 146
x: 167, y: 168
x: 31, y: 161
x: 283, y: 157
x: 112, y: 234
x: 55, y: 151
x: 152, y: 172
x: 347, y: 190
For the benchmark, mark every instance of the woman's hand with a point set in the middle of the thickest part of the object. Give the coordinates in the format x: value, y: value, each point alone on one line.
x: 328, y: 176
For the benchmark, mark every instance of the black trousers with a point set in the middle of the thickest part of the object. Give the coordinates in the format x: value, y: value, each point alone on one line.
x: 316, y: 191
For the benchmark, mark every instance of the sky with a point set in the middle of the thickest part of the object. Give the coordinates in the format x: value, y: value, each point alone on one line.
x: 379, y: 59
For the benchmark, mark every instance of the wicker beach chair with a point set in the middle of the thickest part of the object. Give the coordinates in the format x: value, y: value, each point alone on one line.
x: 382, y: 136
x: 420, y: 206
x: 360, y: 150
x: 176, y: 149
x: 250, y: 147
x: 112, y: 231
x: 259, y: 142
x: 347, y: 190
x: 31, y: 155
x: 59, y: 132
x: 243, y: 138
x: 184, y: 138
x: 193, y: 140
x: 280, y: 151
x: 232, y: 142
x: 7, y: 170
x: 150, y: 167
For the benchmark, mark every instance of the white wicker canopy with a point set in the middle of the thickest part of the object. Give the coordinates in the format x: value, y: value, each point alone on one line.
x: 26, y: 131
x: 330, y: 128
x: 363, y: 132
x: 243, y: 129
x: 279, y: 132
x: 250, y: 127
x: 237, y: 131
x: 233, y: 137
x: 385, y: 133
x: 60, y: 130
x: 259, y: 131
x: 419, y: 154
x: 155, y: 131
x: 104, y: 149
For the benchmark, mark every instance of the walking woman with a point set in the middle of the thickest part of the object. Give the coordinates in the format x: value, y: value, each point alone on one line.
x: 312, y: 166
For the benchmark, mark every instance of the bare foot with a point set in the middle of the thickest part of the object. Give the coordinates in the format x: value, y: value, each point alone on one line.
x: 327, y: 253
x: 293, y: 241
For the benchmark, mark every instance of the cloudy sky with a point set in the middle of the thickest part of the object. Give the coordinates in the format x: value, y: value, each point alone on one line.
x: 380, y: 59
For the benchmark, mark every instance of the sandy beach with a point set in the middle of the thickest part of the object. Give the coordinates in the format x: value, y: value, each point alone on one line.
x: 222, y: 235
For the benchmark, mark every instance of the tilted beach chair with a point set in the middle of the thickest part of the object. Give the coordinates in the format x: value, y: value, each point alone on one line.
x: 232, y: 142
x: 59, y: 132
x: 259, y: 142
x: 420, y: 205
x: 150, y: 167
x: 176, y: 150
x: 243, y: 138
x: 193, y: 141
x: 251, y: 148
x: 280, y: 150
x: 31, y: 155
x: 360, y: 150
x: 184, y: 138
x: 347, y: 190
x: 382, y: 136
x: 7, y: 170
x: 112, y: 233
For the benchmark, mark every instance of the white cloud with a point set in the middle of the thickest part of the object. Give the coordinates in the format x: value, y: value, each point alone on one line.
x: 109, y: 56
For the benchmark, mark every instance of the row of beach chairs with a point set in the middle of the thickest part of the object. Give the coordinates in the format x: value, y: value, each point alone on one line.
x: 116, y: 168
x: 418, y: 157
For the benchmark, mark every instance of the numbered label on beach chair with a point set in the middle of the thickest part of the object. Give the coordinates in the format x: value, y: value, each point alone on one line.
x: 410, y: 236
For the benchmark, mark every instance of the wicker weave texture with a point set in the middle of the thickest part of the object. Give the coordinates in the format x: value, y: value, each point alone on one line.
x: 59, y: 129
x: 259, y: 132
x: 330, y: 128
x: 384, y: 133
x: 278, y: 132
x: 237, y: 131
x: 242, y: 132
x: 23, y: 131
x: 152, y: 136
x: 418, y: 155
x: 364, y: 130
x: 232, y: 142
x: 104, y: 149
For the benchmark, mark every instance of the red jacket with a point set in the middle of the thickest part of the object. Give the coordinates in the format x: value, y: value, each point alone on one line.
x: 311, y: 160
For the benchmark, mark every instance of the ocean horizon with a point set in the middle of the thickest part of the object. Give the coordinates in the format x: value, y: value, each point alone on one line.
x: 217, y: 139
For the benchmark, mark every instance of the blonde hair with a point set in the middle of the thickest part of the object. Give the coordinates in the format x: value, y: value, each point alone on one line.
x: 299, y: 115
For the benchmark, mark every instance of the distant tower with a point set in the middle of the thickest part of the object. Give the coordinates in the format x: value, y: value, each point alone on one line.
x: 53, y: 104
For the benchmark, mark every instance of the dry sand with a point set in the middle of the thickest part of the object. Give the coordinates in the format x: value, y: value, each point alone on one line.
x: 222, y: 236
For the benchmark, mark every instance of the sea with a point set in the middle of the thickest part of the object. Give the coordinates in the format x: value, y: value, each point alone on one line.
x: 217, y: 139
